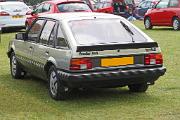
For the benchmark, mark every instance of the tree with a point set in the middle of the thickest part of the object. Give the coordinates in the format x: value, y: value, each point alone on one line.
x: 33, y: 2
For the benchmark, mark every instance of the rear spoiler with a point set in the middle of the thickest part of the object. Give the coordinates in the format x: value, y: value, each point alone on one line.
x: 117, y: 46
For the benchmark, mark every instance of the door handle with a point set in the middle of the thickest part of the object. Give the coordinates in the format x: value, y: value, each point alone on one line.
x: 47, y: 52
x: 30, y: 47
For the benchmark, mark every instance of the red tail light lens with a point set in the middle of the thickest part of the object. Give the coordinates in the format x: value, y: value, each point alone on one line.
x: 152, y: 59
x: 80, y: 64
x: 4, y: 14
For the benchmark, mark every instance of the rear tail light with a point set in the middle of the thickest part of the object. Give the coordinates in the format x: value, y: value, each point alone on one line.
x: 80, y: 64
x: 152, y: 59
x: 4, y: 14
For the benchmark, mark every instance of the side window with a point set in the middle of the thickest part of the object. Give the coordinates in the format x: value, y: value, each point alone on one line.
x: 143, y: 5
x: 35, y: 30
x: 48, y: 27
x: 173, y: 3
x: 46, y: 7
x: 52, y: 36
x: 61, y: 42
x: 162, y: 4
x: 39, y: 8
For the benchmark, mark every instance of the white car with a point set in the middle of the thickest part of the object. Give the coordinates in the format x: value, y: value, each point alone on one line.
x: 13, y: 14
x: 86, y: 50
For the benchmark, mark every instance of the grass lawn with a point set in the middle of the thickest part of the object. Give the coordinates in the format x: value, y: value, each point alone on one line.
x: 28, y: 98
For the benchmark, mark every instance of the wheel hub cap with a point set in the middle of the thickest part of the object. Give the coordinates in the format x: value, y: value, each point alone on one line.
x: 53, y: 83
x: 13, y: 64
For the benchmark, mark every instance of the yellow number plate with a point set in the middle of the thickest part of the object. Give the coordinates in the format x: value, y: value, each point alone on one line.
x: 111, y: 62
x: 16, y: 17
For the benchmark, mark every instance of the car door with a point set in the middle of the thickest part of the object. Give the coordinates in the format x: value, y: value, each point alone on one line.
x: 171, y: 11
x: 33, y: 35
x: 159, y: 14
x: 41, y: 49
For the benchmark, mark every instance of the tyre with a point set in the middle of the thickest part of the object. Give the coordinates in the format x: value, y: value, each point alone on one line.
x: 57, y: 90
x: 147, y: 23
x: 16, y: 70
x: 26, y: 26
x: 176, y: 24
x: 138, y: 87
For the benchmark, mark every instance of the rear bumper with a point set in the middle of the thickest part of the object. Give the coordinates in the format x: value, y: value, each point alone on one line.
x: 113, y: 78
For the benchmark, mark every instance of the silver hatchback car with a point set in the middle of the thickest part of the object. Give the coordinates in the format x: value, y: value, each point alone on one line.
x: 86, y: 50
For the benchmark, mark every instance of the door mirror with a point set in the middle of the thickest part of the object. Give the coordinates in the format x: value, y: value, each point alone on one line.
x: 33, y: 12
x: 21, y: 36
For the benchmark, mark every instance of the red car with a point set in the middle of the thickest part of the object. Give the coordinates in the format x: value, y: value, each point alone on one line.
x: 164, y: 13
x: 117, y: 7
x: 57, y: 6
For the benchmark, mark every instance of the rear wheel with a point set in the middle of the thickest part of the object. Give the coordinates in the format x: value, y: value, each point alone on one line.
x: 57, y: 90
x: 147, y: 23
x: 138, y: 87
x: 176, y: 24
x: 16, y: 70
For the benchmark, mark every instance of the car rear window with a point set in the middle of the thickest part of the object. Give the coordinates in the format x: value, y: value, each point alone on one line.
x: 15, y: 6
x: 73, y: 7
x: 103, y: 31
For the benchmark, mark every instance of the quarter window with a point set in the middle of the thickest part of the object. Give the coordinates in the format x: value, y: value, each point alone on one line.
x: 162, y: 4
x: 35, y: 30
x: 173, y: 3
x: 61, y: 42
x: 46, y: 32
x: 46, y: 8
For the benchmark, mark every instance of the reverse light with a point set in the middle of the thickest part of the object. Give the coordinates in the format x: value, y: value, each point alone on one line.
x: 80, y: 64
x: 4, y: 14
x: 153, y: 59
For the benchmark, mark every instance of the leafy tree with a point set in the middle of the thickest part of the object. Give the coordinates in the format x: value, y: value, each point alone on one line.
x: 33, y: 2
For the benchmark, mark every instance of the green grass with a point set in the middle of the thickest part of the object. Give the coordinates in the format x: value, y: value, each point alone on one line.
x: 29, y: 99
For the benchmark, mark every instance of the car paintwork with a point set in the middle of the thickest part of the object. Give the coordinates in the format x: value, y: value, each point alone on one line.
x: 32, y: 55
x: 53, y: 9
x: 163, y: 16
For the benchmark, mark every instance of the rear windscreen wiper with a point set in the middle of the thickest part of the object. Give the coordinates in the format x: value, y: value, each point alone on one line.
x: 127, y: 29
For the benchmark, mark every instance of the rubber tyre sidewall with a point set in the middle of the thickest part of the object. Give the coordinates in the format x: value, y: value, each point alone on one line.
x: 178, y: 28
x: 19, y: 71
x: 61, y: 93
x: 150, y: 26
x: 138, y: 87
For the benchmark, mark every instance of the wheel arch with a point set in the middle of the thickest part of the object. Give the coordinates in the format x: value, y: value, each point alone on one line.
x: 51, y: 61
x: 174, y: 18
x: 9, y: 52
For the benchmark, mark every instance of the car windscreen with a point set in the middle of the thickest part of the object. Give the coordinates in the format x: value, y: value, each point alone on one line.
x: 15, y: 7
x: 73, y: 7
x: 104, y: 31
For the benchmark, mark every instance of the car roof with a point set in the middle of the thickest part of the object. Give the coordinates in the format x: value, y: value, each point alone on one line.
x: 11, y: 3
x: 62, y: 1
x: 79, y: 15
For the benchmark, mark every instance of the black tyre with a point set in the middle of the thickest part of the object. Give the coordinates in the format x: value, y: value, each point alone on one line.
x: 26, y: 26
x: 138, y: 87
x: 16, y: 70
x: 176, y: 23
x: 147, y: 23
x: 57, y: 90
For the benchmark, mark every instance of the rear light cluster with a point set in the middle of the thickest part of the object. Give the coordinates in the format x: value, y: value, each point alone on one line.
x: 4, y: 14
x: 152, y: 59
x: 80, y: 64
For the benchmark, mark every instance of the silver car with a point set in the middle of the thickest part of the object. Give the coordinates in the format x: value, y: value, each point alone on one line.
x: 13, y: 14
x: 86, y: 50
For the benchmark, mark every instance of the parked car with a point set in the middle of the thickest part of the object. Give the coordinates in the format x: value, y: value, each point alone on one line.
x: 57, y: 6
x: 117, y: 7
x: 165, y: 13
x: 13, y: 14
x: 76, y: 50
x: 142, y: 8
